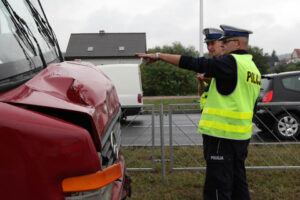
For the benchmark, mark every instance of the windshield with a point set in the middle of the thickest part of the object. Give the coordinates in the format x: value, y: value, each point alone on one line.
x: 8, y: 40
x: 27, y: 41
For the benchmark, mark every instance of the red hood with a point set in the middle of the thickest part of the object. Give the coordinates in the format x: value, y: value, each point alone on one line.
x: 72, y: 86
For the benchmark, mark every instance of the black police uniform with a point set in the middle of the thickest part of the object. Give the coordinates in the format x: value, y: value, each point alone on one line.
x: 225, y: 172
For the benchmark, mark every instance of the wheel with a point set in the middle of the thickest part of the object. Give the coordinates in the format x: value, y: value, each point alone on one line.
x: 287, y: 126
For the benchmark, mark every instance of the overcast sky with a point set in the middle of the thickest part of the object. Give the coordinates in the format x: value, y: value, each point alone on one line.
x: 276, y: 24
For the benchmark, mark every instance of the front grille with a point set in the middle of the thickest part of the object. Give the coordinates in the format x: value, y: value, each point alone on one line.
x: 111, y: 142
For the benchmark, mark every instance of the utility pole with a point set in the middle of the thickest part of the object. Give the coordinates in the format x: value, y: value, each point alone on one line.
x: 201, y: 28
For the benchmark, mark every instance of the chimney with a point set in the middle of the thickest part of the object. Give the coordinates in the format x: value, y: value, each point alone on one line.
x: 101, y: 32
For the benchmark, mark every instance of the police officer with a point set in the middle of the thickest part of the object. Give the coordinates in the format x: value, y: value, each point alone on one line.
x: 215, y: 49
x: 226, y: 121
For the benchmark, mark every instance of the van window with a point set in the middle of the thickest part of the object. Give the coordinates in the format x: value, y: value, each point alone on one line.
x: 292, y: 83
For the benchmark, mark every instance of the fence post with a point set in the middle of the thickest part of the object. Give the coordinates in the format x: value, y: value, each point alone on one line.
x: 171, y: 137
x: 153, y: 138
x: 161, y: 117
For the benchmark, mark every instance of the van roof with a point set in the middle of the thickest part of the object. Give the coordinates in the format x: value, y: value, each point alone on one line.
x: 118, y: 65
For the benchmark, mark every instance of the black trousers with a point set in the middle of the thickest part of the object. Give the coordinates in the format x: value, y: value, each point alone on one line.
x: 225, y: 169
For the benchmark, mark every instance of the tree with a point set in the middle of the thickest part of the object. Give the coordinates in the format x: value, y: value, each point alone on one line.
x: 176, y: 48
x: 260, y: 58
x: 287, y: 67
x: 161, y: 78
x: 274, y: 56
x: 273, y: 59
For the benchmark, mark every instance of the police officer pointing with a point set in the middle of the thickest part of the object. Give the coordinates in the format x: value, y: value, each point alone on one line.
x: 226, y: 121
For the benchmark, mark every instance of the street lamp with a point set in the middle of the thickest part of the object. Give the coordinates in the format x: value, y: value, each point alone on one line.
x: 201, y: 28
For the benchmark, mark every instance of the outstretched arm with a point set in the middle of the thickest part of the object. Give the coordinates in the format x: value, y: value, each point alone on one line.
x: 169, y: 58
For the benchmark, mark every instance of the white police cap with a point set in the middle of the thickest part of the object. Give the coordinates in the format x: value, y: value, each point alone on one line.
x: 212, y: 34
x: 230, y: 31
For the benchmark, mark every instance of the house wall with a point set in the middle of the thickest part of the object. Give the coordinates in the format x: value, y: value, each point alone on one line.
x: 294, y: 55
x: 294, y: 58
x: 114, y: 61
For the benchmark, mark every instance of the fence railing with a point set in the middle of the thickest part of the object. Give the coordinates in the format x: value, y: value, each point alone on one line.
x: 268, y: 149
x: 130, y: 141
x: 260, y: 146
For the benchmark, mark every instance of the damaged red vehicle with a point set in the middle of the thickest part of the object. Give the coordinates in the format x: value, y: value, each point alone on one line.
x: 60, y: 131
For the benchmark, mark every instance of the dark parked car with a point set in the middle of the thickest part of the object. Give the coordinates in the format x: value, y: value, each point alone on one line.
x: 283, y: 120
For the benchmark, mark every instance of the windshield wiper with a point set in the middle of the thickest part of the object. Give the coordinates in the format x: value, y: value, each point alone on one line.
x: 41, y: 25
x: 24, y: 31
x: 44, y: 28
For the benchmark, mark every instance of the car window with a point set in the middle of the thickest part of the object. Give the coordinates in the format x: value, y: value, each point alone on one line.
x: 292, y: 83
x: 265, y: 83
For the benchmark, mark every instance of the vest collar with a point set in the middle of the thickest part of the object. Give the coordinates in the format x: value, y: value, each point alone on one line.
x: 240, y: 51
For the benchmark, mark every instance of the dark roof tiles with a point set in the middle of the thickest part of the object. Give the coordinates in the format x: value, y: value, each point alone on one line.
x: 97, y: 45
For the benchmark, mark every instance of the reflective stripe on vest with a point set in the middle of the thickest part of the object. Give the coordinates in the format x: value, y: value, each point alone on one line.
x: 226, y: 127
x: 228, y: 113
x: 230, y: 116
x: 203, y: 98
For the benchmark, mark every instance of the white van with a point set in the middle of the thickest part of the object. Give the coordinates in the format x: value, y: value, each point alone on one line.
x: 127, y: 80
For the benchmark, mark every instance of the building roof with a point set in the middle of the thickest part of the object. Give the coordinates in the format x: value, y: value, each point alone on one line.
x: 105, y: 45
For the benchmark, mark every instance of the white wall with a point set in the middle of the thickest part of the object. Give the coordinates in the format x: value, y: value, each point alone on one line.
x: 114, y: 61
x: 294, y: 55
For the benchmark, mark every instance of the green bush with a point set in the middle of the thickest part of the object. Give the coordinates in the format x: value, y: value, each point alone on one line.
x: 162, y: 79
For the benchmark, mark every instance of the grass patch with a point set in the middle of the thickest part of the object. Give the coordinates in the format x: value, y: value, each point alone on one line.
x: 263, y: 184
x: 166, y: 102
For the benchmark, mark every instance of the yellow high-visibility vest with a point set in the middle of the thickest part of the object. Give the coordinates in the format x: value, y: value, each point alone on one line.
x: 230, y: 116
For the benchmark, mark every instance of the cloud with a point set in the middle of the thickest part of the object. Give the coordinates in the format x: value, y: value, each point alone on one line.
x: 162, y: 25
x: 275, y: 23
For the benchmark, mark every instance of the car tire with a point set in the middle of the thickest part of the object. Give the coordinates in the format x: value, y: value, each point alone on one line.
x: 287, y: 127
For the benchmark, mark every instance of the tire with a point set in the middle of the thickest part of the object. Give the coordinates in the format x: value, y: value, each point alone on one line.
x: 287, y: 127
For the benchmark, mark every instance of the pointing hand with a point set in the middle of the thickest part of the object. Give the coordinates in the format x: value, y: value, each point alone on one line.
x: 151, y: 57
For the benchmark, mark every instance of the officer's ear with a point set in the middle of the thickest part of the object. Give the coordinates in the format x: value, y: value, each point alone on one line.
x: 243, y: 42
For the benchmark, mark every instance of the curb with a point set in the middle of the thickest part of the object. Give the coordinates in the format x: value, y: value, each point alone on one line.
x: 170, y: 97
x: 166, y: 112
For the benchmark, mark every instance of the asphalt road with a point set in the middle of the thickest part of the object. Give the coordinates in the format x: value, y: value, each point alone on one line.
x: 137, y: 131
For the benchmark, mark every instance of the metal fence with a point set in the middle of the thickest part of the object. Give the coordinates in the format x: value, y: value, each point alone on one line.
x: 175, y: 143
x: 267, y: 150
x: 130, y: 141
